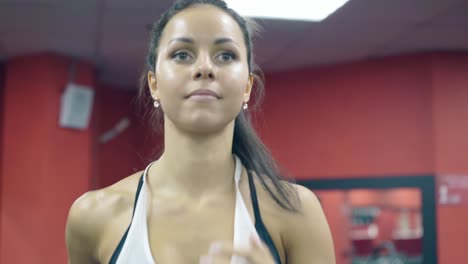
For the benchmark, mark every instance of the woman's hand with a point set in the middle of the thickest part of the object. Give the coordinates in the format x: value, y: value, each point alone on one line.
x: 222, y: 253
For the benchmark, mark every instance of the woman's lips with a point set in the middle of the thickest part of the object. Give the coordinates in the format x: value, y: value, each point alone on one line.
x: 203, y: 94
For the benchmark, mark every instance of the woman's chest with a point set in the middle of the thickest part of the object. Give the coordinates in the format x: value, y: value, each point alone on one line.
x: 178, y: 234
x: 182, y: 235
x: 174, y: 234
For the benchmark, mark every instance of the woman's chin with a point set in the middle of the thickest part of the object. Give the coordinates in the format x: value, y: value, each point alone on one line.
x: 202, y: 121
x: 205, y: 125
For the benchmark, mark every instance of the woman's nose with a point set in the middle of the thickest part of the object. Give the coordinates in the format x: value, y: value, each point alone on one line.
x: 204, y: 69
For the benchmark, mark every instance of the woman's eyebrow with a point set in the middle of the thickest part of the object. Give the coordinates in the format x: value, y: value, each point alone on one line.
x: 186, y: 40
x: 220, y: 41
x: 217, y: 41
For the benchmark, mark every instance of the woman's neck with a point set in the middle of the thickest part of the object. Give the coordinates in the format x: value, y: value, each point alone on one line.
x: 194, y: 166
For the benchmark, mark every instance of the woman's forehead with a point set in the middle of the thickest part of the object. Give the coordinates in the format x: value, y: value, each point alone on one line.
x: 202, y: 23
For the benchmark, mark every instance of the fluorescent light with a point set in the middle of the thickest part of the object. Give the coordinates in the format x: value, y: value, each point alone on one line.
x: 309, y: 10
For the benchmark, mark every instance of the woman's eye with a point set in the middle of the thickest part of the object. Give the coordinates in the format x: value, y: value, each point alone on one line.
x: 227, y: 56
x: 181, y: 56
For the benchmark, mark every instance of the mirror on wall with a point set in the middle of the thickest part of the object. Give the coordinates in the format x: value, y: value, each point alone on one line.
x: 381, y: 219
x: 378, y: 226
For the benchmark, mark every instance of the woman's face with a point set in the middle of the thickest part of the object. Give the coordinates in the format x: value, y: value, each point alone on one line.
x: 202, y: 75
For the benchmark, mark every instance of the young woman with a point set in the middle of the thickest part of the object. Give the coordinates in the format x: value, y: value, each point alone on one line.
x: 215, y: 195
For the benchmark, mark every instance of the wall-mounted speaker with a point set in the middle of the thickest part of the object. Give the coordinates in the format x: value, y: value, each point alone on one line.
x: 76, y: 106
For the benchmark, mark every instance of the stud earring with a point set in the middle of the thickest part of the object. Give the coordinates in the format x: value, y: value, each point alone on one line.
x: 245, y: 106
x: 156, y: 103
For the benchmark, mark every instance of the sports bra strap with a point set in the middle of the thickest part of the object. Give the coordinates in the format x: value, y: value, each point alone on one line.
x: 116, y: 254
x: 259, y: 225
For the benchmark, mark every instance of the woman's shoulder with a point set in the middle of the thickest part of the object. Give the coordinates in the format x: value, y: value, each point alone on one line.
x: 306, y: 203
x: 105, y: 199
x: 283, y: 190
x: 293, y: 226
x: 301, y: 198
x: 90, y: 213
x: 308, y: 227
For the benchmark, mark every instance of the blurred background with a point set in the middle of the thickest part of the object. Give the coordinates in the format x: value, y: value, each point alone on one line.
x: 368, y: 108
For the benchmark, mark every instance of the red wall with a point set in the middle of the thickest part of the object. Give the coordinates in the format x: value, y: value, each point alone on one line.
x: 450, y: 83
x: 2, y: 103
x: 48, y: 167
x: 134, y: 145
x: 393, y: 116
x: 113, y: 105
x: 44, y: 167
x: 356, y: 120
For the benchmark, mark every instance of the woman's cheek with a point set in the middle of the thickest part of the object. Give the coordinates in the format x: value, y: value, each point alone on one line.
x: 237, y: 77
x: 167, y: 73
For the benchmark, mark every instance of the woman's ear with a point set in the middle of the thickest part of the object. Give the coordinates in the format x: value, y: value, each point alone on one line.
x: 248, y: 89
x: 152, y: 84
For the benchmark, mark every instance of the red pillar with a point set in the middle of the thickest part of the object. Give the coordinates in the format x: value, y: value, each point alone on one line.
x: 44, y: 167
x: 450, y: 94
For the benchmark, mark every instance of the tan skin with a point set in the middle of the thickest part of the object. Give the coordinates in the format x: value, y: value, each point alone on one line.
x: 191, y: 187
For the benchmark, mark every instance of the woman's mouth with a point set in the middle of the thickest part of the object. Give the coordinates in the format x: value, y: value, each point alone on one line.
x: 203, y: 94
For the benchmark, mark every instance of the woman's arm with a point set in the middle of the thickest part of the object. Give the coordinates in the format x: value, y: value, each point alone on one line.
x: 80, y: 235
x: 307, y: 238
